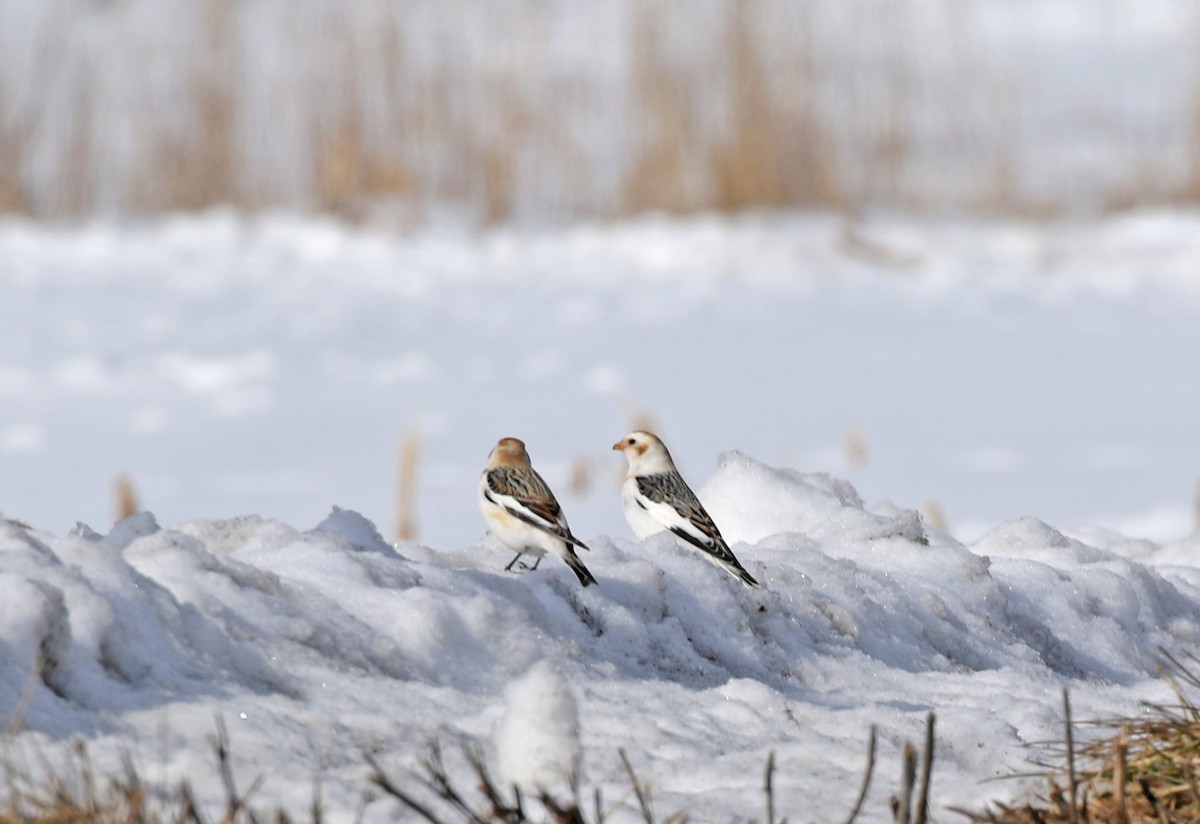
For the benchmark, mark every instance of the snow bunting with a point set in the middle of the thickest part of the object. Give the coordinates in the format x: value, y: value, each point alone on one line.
x: 656, y: 498
x: 521, y: 510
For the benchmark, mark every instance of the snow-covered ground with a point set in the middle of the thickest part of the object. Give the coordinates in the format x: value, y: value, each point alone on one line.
x: 1036, y: 382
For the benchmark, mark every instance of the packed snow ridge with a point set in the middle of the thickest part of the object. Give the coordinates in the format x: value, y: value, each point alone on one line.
x: 318, y: 645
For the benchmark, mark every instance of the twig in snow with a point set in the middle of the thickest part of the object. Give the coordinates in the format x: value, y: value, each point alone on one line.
x: 866, y: 783
x: 922, y: 814
x: 768, y: 788
x: 638, y: 790
x: 902, y: 806
x: 1072, y: 806
x: 380, y: 779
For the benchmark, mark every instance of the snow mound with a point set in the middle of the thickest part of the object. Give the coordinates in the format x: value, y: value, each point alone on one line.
x: 328, y: 641
x: 101, y: 637
x: 751, y: 501
x: 537, y: 739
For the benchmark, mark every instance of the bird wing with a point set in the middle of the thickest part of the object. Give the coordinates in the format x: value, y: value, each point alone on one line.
x: 523, y: 494
x: 669, y: 499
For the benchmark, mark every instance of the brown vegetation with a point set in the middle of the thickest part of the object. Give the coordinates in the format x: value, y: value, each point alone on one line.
x: 520, y: 109
x: 406, y: 487
x: 1144, y: 770
x: 126, y: 495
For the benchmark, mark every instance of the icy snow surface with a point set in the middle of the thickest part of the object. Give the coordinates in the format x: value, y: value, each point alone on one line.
x: 1038, y: 382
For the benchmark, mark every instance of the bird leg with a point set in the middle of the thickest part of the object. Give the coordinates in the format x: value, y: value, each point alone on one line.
x: 522, y: 565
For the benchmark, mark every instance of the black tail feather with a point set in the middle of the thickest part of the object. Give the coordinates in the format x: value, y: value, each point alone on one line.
x: 576, y: 565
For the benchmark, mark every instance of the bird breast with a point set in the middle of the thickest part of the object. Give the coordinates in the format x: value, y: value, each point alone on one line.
x: 640, y: 521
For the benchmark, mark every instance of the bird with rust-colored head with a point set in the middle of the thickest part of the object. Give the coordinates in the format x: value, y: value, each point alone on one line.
x: 523, y: 513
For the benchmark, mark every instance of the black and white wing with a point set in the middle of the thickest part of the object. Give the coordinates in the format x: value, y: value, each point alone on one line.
x: 523, y: 494
x: 667, y: 498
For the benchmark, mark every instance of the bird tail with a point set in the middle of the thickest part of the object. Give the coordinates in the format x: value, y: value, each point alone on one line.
x: 745, y: 577
x: 576, y: 565
x: 734, y: 568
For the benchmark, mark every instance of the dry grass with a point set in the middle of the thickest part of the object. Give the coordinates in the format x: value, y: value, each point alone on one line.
x: 15, y: 142
x: 1143, y: 770
x: 437, y: 797
x: 659, y: 175
x: 579, y: 478
x: 75, y: 793
x: 778, y: 152
x: 1147, y: 768
x: 126, y: 495
x: 503, y: 112
x: 194, y: 165
x: 934, y: 515
x: 68, y: 790
x: 770, y: 150
x: 406, y: 487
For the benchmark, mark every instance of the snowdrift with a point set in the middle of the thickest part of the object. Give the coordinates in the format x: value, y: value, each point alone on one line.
x: 317, y: 645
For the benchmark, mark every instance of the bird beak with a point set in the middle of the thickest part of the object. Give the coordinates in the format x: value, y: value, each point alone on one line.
x: 619, y: 446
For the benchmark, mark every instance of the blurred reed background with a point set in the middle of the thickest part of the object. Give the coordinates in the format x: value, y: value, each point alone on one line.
x: 550, y: 109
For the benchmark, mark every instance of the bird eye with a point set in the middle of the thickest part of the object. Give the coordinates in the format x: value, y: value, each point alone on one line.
x: 630, y: 442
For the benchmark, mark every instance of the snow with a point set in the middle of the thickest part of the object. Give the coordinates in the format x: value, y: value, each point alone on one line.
x: 315, y: 647
x: 253, y: 378
x: 537, y: 736
x: 272, y: 366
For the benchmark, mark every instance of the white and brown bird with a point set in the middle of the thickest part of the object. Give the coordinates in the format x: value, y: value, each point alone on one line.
x: 522, y: 512
x: 657, y: 499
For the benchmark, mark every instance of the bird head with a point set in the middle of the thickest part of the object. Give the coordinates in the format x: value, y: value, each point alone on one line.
x: 644, y: 451
x: 508, y: 452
